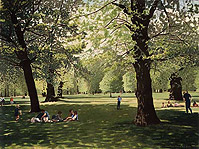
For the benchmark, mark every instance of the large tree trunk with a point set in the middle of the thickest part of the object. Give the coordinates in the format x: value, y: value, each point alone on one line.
x: 146, y: 114
x: 31, y: 86
x: 25, y: 62
x: 50, y: 93
x: 176, y: 87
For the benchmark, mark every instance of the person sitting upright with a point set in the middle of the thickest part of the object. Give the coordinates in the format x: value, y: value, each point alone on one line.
x: 195, y: 104
x: 43, y: 116
x: 169, y: 104
x: 57, y: 118
x: 163, y: 105
x: 73, y: 117
x: 71, y: 114
x: 11, y: 100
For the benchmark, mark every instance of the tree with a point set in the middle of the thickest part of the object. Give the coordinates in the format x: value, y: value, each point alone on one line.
x: 111, y: 82
x: 95, y: 66
x: 153, y: 37
x: 129, y: 81
x: 188, y: 78
x: 32, y: 27
x: 15, y: 18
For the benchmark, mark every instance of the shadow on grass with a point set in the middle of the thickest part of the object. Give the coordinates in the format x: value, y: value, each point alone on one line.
x: 100, y: 126
x: 177, y: 130
x: 69, y: 101
x: 89, y: 96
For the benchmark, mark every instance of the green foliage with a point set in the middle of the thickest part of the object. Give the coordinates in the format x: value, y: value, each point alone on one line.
x: 11, y: 80
x: 196, y: 83
x: 188, y: 78
x: 129, y: 81
x: 112, y: 82
x: 83, y: 85
x: 95, y: 66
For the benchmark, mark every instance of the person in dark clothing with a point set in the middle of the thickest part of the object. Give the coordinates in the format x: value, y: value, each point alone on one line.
x: 2, y: 101
x: 17, y: 112
x: 57, y: 118
x: 43, y: 116
x: 118, y: 102
x: 187, y: 98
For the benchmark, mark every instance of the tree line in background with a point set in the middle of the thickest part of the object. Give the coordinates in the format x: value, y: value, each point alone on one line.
x: 100, y: 79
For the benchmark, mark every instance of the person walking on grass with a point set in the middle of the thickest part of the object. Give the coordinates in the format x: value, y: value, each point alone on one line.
x: 118, y: 102
x: 187, y: 98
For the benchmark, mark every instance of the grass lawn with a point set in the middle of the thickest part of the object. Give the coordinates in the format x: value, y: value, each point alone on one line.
x: 100, y: 125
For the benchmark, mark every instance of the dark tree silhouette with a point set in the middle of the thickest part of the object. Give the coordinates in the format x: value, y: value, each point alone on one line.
x: 176, y: 87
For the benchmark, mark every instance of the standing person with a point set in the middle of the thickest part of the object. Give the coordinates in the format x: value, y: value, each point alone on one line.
x: 187, y: 98
x: 118, y: 102
x: 17, y: 112
x: 2, y: 101
x: 11, y: 100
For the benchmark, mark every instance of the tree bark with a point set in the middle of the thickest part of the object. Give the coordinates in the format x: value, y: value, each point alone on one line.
x: 31, y: 86
x: 176, y: 87
x: 50, y: 93
x: 146, y: 114
x: 110, y: 95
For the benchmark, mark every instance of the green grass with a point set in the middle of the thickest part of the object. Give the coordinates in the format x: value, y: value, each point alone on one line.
x: 100, y: 125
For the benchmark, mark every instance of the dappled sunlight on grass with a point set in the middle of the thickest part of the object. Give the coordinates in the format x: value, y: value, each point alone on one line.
x: 100, y: 125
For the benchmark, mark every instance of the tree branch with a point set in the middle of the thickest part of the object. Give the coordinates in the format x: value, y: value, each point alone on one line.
x: 166, y: 13
x: 10, y: 61
x: 160, y: 33
x: 92, y: 12
x: 125, y: 10
x: 153, y: 8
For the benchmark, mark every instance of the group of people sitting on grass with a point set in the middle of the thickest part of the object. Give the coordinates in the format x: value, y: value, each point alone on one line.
x: 169, y: 104
x: 45, y: 117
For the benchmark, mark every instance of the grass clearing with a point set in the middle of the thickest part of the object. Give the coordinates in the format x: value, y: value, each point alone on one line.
x: 100, y: 125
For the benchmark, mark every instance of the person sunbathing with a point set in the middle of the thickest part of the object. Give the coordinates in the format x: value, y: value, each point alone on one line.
x: 178, y: 105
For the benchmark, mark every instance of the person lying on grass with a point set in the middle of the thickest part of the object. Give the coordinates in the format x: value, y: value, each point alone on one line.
x: 178, y: 105
x: 41, y: 117
x: 73, y: 117
x: 57, y: 118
